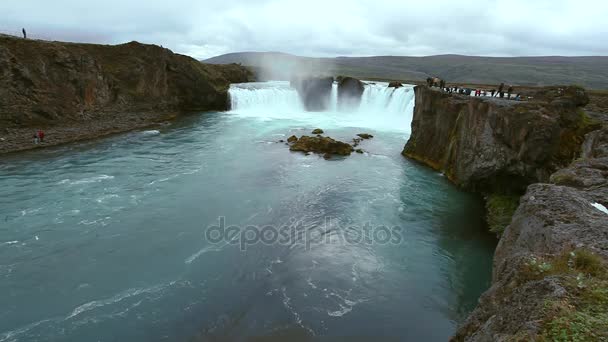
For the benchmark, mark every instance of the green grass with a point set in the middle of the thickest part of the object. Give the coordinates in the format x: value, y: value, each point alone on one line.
x: 583, y: 314
x: 500, y: 210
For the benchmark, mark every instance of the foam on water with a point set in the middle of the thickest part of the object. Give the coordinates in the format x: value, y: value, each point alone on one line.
x: 382, y: 108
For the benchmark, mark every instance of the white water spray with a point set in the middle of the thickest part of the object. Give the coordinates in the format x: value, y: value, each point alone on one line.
x: 381, y: 108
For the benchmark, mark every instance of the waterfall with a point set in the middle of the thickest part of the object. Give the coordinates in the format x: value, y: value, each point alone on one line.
x: 381, y: 107
x: 334, y: 97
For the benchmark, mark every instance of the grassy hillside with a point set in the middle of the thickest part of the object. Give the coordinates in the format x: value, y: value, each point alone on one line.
x: 591, y: 72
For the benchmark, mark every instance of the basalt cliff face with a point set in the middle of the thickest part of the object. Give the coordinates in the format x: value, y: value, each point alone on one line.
x: 43, y: 82
x: 549, y: 276
x: 50, y: 84
x: 493, y: 145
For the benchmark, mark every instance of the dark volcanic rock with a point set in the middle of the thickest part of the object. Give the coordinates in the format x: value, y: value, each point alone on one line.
x: 496, y: 147
x: 317, y: 131
x: 552, y: 220
x: 490, y: 145
x: 321, y: 145
x: 395, y: 84
x: 315, y: 93
x: 51, y: 83
x: 292, y: 139
x: 365, y: 136
x: 350, y: 91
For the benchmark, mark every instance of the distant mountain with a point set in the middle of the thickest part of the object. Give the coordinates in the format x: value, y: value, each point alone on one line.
x: 591, y: 72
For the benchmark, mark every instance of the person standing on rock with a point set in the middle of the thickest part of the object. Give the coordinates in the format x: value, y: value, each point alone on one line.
x: 24, y: 33
x: 509, y: 92
x: 35, y: 137
x: 40, y: 135
x: 501, y: 88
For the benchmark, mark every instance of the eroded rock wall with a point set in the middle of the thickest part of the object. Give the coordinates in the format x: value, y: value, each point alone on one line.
x: 50, y: 83
x: 493, y: 145
x: 549, y: 275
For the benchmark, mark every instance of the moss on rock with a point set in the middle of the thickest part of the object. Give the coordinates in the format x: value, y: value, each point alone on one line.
x: 582, y: 315
x: 500, y: 210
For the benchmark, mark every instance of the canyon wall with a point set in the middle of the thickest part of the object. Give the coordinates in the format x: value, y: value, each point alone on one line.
x: 549, y: 275
x: 492, y: 145
x: 48, y: 83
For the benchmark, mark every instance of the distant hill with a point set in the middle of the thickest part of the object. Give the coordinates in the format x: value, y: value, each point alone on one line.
x: 591, y: 72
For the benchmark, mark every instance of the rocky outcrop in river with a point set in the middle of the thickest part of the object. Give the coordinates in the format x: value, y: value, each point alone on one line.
x: 550, y: 275
x: 102, y: 88
x: 315, y: 92
x: 322, y: 145
x: 350, y: 91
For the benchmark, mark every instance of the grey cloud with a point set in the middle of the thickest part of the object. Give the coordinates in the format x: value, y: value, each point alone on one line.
x: 324, y: 28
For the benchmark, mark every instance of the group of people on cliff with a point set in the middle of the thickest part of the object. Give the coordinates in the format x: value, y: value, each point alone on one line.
x: 441, y: 84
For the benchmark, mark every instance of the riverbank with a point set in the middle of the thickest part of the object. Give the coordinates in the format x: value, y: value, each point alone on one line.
x: 78, y: 91
x: 551, y: 257
x: 14, y: 140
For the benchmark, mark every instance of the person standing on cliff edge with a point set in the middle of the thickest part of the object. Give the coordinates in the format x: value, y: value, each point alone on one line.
x: 501, y: 88
x: 24, y: 33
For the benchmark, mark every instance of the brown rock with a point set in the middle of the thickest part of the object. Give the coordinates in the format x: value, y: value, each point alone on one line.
x: 50, y: 83
x: 325, y: 145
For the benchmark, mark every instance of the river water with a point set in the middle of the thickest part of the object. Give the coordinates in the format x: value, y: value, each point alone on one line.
x: 109, y: 240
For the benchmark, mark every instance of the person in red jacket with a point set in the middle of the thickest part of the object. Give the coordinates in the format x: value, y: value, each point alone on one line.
x: 41, y: 135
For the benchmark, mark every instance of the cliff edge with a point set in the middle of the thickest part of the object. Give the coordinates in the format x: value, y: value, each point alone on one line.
x: 549, y: 275
x: 49, y: 84
x: 493, y: 145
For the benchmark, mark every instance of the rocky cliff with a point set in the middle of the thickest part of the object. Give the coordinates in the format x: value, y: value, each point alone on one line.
x: 44, y: 84
x: 549, y: 278
x: 494, y: 145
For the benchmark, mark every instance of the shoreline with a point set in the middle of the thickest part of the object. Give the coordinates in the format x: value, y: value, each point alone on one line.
x: 16, y: 140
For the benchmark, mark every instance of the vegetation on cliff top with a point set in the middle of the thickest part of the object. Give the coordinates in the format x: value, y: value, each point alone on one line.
x: 582, y: 315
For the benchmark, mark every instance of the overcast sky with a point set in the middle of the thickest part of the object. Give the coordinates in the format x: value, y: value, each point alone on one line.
x: 207, y: 28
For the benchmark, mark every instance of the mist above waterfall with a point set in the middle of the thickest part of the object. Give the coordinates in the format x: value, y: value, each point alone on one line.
x: 380, y: 107
x: 274, y: 66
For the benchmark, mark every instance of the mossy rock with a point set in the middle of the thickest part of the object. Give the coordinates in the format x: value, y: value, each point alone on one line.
x: 583, y: 314
x: 500, y: 210
x: 317, y: 131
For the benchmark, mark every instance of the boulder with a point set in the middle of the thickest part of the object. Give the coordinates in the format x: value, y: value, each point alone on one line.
x: 292, y: 139
x: 321, y: 145
x: 317, y: 131
x: 365, y: 136
x: 395, y: 84
x: 315, y: 92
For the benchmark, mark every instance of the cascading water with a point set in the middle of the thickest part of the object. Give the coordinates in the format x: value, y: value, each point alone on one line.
x: 381, y: 108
